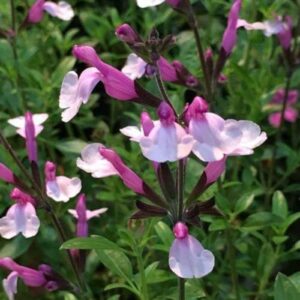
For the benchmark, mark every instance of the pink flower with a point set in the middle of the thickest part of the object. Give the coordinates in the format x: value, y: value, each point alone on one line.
x: 285, y: 35
x: 127, y: 34
x: 60, y: 188
x: 76, y: 91
x: 268, y: 27
x: 6, y: 174
x: 229, y: 37
x: 216, y: 137
x: 31, y: 277
x: 290, y: 113
x: 167, y: 141
x: 83, y: 215
x: 93, y: 162
x: 116, y: 84
x: 20, y: 217
x: 20, y: 123
x: 62, y: 10
x: 187, y: 257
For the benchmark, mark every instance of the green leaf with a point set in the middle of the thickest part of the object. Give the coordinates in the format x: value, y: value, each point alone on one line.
x: 117, y: 262
x: 64, y: 66
x: 260, y: 220
x: 243, y: 203
x: 74, y: 146
x: 15, y: 247
x: 265, y: 260
x: 279, y: 205
x: 295, y: 278
x: 91, y: 243
x: 164, y: 232
x: 223, y: 203
x: 285, y: 288
x: 218, y: 224
x: 122, y: 286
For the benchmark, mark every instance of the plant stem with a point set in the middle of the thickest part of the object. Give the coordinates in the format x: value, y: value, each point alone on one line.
x: 279, y: 132
x: 180, y: 195
x: 162, y: 89
x: 141, y: 267
x: 13, y: 43
x: 231, y: 259
x: 46, y: 204
x: 181, y: 287
x: 194, y: 26
x: 180, y: 188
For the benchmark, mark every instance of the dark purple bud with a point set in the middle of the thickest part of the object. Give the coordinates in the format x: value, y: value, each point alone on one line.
x: 127, y: 34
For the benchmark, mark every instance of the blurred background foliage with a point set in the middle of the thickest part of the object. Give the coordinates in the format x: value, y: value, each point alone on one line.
x: 257, y: 238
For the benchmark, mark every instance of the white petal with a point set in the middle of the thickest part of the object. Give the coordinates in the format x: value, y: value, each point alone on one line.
x: 10, y: 285
x: 95, y: 213
x: 252, y: 136
x: 37, y: 119
x: 62, y: 10
x: 148, y: 3
x: 188, y: 259
x: 206, y: 152
x: 73, y: 212
x: 63, y: 188
x: 166, y: 143
x: 134, y: 67
x: 133, y: 132
x: 18, y: 122
x: 20, y: 218
x: 92, y: 161
x: 75, y: 91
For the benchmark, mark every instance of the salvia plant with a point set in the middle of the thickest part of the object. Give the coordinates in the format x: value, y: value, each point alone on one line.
x: 197, y: 173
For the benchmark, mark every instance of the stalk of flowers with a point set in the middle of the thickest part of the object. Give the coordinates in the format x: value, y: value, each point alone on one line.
x: 21, y: 217
x: 211, y: 139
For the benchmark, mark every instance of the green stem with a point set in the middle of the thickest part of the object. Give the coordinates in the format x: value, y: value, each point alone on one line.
x: 194, y: 26
x: 13, y: 43
x: 231, y: 259
x: 181, y: 288
x: 162, y: 89
x: 144, y: 288
x: 278, y: 134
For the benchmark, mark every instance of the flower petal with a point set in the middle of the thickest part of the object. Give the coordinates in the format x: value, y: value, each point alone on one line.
x: 61, y: 10
x: 92, y: 161
x: 188, y: 258
x: 148, y: 3
x: 75, y: 91
x: 10, y: 285
x: 133, y: 132
x: 20, y: 218
x: 95, y: 213
x: 134, y: 67
x: 63, y: 188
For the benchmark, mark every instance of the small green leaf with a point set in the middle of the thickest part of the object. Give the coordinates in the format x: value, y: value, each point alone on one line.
x: 74, y: 146
x: 90, y: 243
x: 117, y: 262
x: 279, y: 205
x: 218, y: 224
x: 164, y: 232
x: 243, y: 203
x: 285, y: 288
x: 260, y: 220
